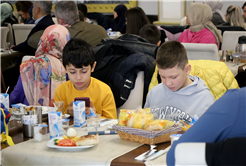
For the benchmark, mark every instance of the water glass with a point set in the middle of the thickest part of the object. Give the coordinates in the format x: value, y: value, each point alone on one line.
x: 236, y: 58
x: 93, y: 123
x: 7, y: 46
x: 40, y: 132
x: 65, y: 125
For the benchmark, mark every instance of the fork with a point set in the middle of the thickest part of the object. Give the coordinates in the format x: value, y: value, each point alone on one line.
x: 148, y: 152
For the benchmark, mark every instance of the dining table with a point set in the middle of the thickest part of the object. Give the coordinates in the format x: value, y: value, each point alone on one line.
x: 9, y: 58
x: 111, y: 150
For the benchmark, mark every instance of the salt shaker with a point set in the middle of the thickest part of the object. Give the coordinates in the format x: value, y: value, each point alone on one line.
x: 38, y: 111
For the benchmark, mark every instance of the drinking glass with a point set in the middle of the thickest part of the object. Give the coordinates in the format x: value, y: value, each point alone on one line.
x: 236, y: 58
x: 59, y: 105
x: 7, y: 46
x: 93, y: 123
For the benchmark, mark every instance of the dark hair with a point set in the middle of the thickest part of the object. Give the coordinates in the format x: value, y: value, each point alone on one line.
x: 23, y: 6
x: 83, y: 8
x: 136, y: 19
x: 151, y: 33
x: 244, y: 5
x: 78, y: 53
x: 81, y: 16
x: 170, y: 54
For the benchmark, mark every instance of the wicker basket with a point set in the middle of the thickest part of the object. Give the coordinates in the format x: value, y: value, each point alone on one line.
x: 145, y: 140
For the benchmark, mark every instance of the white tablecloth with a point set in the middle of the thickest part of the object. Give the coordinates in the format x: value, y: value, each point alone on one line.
x: 37, y: 153
x: 233, y: 67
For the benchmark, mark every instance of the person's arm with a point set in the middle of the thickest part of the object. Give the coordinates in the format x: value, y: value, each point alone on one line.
x: 214, y: 125
x: 18, y: 94
x: 108, y: 106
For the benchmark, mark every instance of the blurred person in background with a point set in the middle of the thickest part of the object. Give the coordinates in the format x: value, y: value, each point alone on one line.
x: 201, y: 29
x: 119, y: 22
x: 234, y: 17
x: 83, y: 9
x: 67, y: 15
x: 244, y: 11
x: 7, y: 14
x: 216, y: 6
x: 23, y: 10
x: 135, y: 20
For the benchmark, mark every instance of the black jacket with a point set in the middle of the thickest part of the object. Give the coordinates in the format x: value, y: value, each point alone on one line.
x: 42, y: 25
x: 118, y: 66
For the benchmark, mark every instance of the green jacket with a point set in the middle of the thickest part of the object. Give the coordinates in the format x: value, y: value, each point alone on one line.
x: 92, y: 34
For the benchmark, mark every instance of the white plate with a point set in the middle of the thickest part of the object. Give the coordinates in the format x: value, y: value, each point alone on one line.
x: 65, y: 116
x: 51, y: 144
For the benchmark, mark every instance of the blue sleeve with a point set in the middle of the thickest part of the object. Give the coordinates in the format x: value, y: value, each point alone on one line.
x: 18, y: 94
x: 218, y: 123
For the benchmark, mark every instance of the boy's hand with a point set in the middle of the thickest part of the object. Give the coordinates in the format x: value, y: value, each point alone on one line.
x: 70, y: 108
x: 93, y: 107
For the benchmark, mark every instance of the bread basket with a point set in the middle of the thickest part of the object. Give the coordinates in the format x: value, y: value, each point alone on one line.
x: 146, y: 137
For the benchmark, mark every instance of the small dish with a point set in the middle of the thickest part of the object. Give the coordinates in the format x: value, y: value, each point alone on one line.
x: 65, y: 116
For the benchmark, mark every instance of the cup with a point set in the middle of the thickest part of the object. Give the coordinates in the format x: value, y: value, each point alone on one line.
x: 59, y: 105
x: 236, y: 58
x: 7, y: 46
x: 40, y: 132
x: 93, y: 123
x: 65, y: 125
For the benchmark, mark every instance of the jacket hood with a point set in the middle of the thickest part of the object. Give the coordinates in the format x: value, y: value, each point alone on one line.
x: 196, y: 86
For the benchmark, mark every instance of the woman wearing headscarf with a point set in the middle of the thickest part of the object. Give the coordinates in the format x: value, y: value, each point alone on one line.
x: 40, y: 76
x: 216, y: 6
x: 119, y: 22
x: 201, y: 30
x: 234, y: 17
x: 7, y: 14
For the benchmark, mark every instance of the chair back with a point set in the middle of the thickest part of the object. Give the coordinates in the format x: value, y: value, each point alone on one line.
x: 27, y: 57
x: 55, y: 20
x: 21, y: 32
x: 4, y: 33
x: 229, y: 28
x: 10, y: 36
x: 135, y: 98
x: 230, y: 39
x: 198, y: 51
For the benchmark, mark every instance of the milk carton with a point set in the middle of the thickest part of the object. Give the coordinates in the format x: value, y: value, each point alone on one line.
x: 79, y: 113
x: 55, y: 124
x: 4, y: 98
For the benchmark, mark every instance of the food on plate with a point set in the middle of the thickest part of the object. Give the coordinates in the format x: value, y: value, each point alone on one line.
x: 71, y: 133
x: 144, y: 111
x: 158, y: 124
x: 66, y: 142
x: 87, y: 140
x: 30, y: 108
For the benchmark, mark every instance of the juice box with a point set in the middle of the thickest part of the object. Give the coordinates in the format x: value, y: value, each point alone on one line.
x: 79, y: 113
x: 55, y: 124
x: 4, y: 98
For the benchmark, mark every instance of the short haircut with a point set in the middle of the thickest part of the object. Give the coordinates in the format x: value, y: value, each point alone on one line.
x: 45, y: 6
x: 67, y: 11
x: 244, y: 5
x: 170, y: 54
x: 83, y: 8
x: 151, y: 33
x: 78, y: 53
x: 136, y: 19
x: 23, y: 6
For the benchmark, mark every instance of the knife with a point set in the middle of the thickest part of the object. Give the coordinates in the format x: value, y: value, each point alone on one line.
x: 156, y: 154
x: 143, y: 156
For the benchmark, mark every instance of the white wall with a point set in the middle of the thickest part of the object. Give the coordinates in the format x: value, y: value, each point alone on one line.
x: 149, y: 7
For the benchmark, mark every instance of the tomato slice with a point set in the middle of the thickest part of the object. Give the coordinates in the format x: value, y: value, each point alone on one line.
x: 66, y: 142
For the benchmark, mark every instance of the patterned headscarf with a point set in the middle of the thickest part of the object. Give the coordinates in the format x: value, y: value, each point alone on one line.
x: 6, y: 11
x: 216, y: 7
x: 41, y: 75
x: 199, y: 16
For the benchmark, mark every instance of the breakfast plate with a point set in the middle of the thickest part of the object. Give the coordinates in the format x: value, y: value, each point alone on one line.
x: 51, y: 144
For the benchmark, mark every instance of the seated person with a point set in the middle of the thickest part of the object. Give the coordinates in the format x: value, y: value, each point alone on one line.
x: 41, y: 13
x: 201, y: 30
x: 244, y: 11
x: 216, y: 6
x: 151, y: 33
x: 23, y: 8
x: 67, y: 15
x: 234, y: 17
x: 79, y: 62
x: 224, y: 119
x: 179, y: 96
x: 40, y: 76
x: 229, y: 152
x: 82, y: 8
x: 119, y: 22
x: 7, y: 14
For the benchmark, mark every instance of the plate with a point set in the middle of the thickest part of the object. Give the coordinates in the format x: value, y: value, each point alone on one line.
x: 45, y: 109
x: 51, y: 144
x: 65, y: 116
